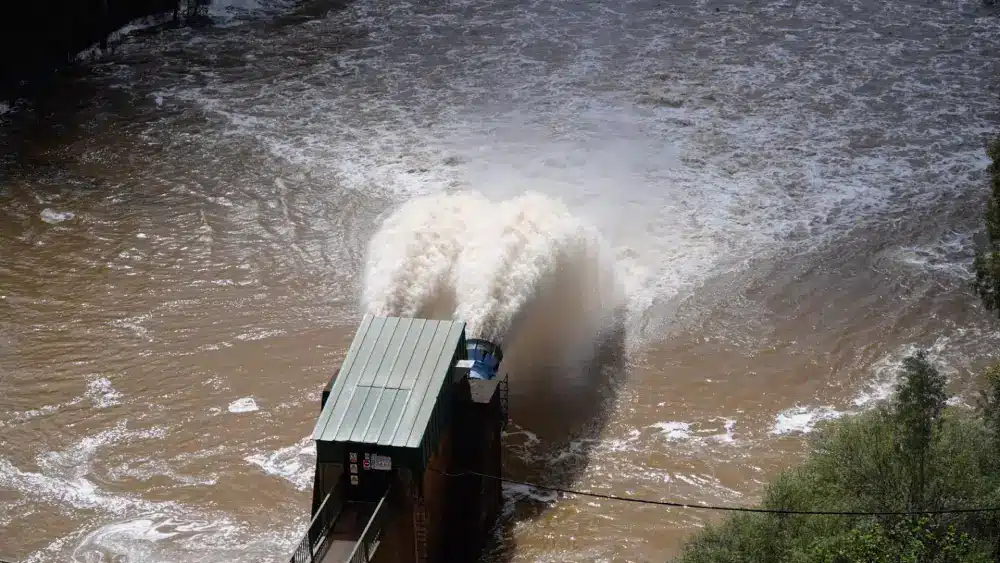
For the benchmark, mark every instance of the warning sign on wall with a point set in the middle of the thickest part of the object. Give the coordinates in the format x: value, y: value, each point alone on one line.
x: 381, y: 463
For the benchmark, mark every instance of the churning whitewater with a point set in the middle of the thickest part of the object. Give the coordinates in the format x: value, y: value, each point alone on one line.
x: 778, y: 201
x: 499, y: 266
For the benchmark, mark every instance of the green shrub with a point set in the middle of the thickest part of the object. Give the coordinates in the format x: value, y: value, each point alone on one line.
x: 866, y: 463
x: 987, y: 261
x: 918, y: 542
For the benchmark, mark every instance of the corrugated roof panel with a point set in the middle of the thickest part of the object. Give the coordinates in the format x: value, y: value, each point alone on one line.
x: 439, y: 371
x: 421, y: 385
x: 404, y: 354
x: 393, y: 353
x: 427, y: 331
x: 371, y: 429
x: 390, y: 380
x: 354, y: 366
x: 336, y: 390
x: 405, y: 358
x: 353, y: 412
x: 377, y: 357
x: 392, y: 418
x: 365, y: 413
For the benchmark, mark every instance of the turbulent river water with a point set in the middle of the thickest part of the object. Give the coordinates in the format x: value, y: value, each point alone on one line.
x: 787, y: 192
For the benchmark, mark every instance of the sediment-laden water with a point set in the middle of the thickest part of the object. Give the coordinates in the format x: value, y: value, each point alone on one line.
x: 784, y: 196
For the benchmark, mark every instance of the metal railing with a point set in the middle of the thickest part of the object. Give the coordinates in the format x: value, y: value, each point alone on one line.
x: 308, y: 549
x: 365, y: 549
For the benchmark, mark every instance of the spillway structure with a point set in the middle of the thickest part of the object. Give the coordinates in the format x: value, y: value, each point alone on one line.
x: 409, y: 445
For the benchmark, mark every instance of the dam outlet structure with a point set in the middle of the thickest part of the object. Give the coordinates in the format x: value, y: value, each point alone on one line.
x: 408, y: 425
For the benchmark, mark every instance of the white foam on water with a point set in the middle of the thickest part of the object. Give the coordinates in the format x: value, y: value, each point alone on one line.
x: 118, y: 524
x: 530, y: 438
x: 259, y: 334
x: 627, y: 443
x: 887, y: 369
x: 145, y: 469
x: 43, y: 410
x: 246, y: 404
x: 134, y: 325
x: 802, y: 420
x: 674, y: 430
x: 949, y: 354
x: 727, y: 436
x: 172, y: 533
x: 53, y: 217
x: 294, y: 463
x: 696, y: 433
x: 957, y: 401
x: 951, y: 254
x: 65, y: 478
x: 102, y: 393
x: 514, y: 492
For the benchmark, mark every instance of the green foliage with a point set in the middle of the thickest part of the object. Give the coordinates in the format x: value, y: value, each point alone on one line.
x: 870, y: 463
x: 987, y: 262
x: 917, y: 406
x: 919, y: 399
x: 919, y: 542
x: 989, y: 403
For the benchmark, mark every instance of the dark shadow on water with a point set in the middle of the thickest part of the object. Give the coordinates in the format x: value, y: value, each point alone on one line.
x: 60, y: 102
x: 567, y: 422
x: 36, y: 139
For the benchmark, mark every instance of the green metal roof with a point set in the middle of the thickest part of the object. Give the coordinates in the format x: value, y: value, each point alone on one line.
x: 390, y: 381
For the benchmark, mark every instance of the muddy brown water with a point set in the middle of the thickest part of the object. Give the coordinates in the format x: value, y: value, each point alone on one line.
x: 791, y: 191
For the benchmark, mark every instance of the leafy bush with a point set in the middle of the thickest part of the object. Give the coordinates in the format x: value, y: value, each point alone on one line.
x: 987, y: 262
x: 913, y: 454
x: 917, y: 542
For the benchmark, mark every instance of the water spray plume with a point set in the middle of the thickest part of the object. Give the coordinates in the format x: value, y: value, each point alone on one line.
x: 505, y: 268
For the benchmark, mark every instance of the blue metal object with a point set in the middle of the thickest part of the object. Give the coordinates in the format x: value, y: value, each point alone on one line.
x: 486, y: 357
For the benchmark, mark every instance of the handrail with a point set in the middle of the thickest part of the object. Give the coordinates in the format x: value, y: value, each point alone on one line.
x: 362, y: 553
x: 320, y: 525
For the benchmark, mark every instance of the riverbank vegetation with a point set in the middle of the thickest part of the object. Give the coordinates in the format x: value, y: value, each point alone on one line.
x: 987, y: 263
x: 913, y: 454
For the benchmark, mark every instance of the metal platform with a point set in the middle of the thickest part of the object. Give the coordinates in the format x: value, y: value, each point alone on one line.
x: 347, y: 531
x: 343, y: 532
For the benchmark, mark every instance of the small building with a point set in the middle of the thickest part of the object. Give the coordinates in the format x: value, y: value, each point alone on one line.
x: 408, y: 444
